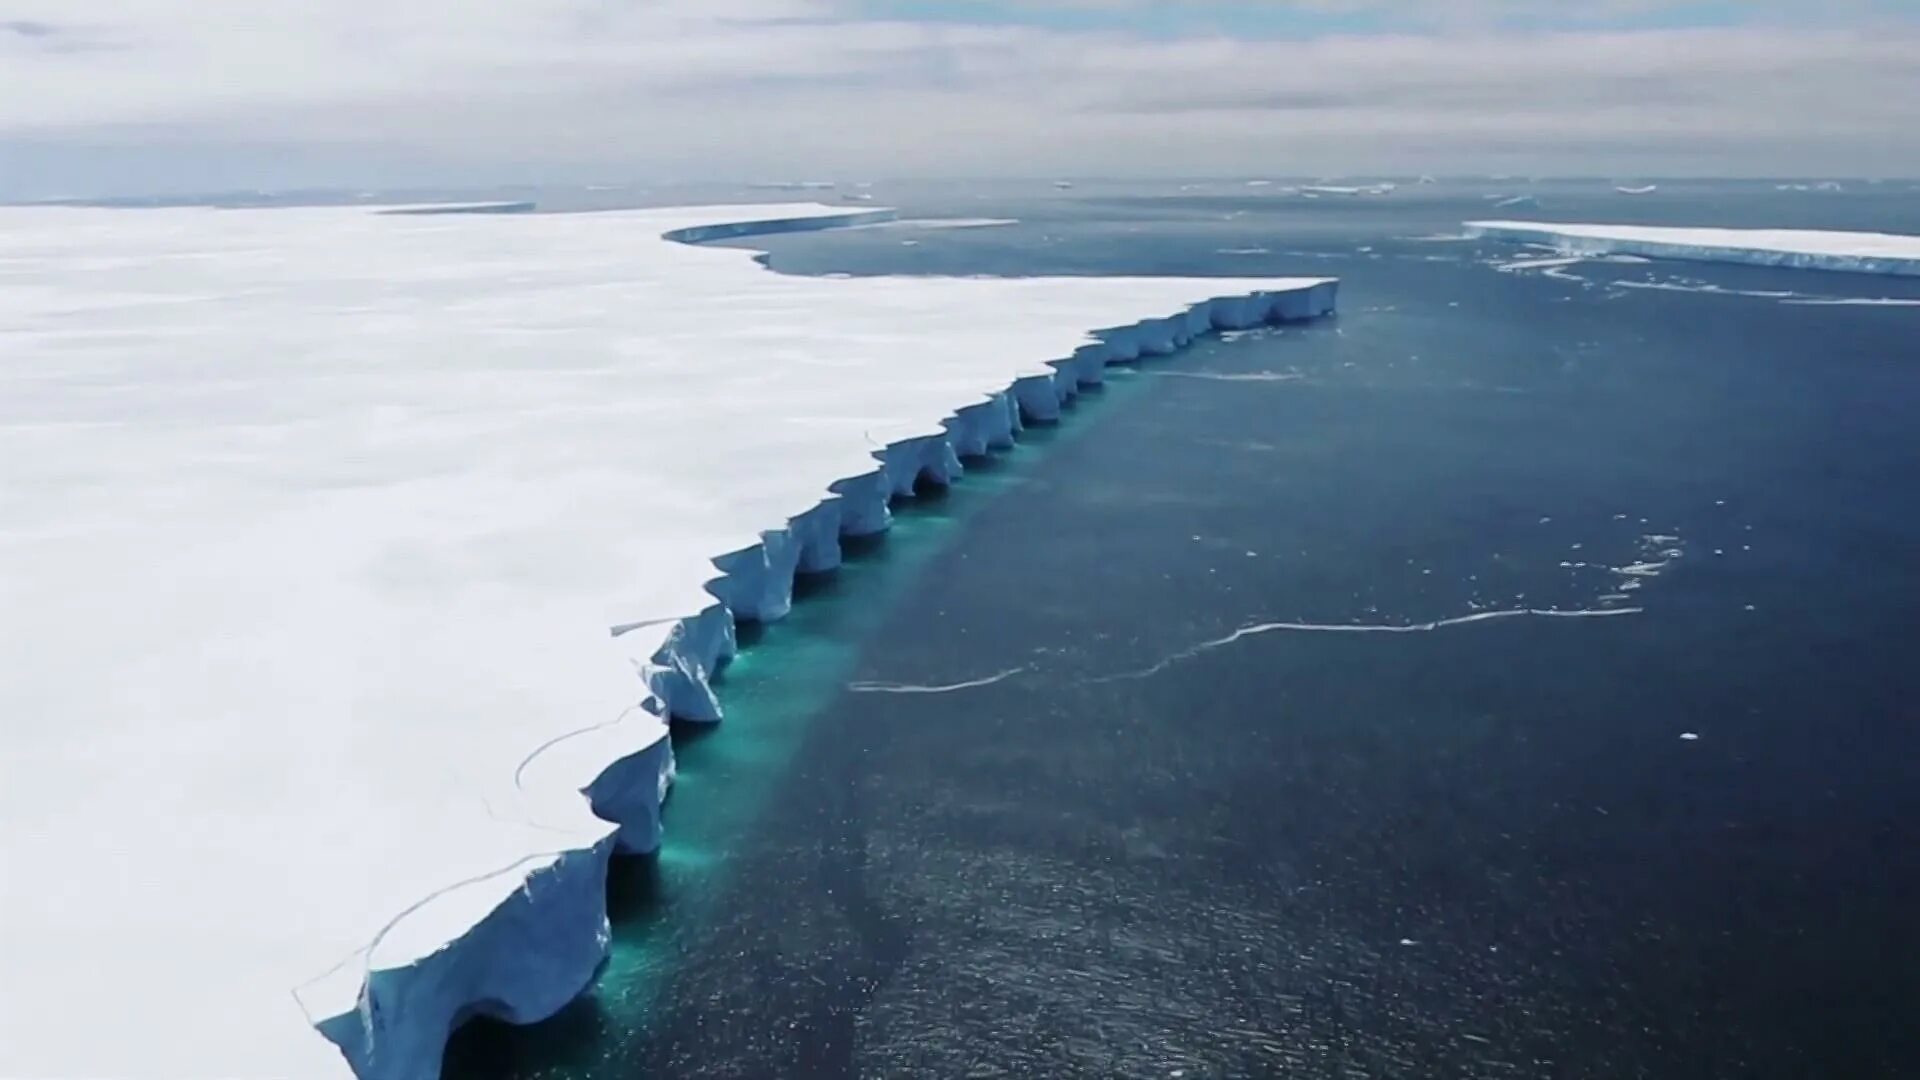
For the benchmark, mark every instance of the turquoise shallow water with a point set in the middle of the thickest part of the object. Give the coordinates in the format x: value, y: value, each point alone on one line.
x: 1480, y: 849
x: 669, y: 908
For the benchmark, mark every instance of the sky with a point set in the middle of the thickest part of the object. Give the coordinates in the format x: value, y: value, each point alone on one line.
x: 144, y: 96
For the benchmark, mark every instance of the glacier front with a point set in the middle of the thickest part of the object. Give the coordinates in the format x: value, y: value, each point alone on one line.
x: 1804, y: 249
x: 350, y: 561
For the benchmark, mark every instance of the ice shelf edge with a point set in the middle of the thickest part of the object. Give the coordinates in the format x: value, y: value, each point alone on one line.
x: 543, y: 946
x: 1580, y: 243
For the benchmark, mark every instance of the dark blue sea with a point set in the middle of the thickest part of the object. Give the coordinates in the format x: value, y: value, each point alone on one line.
x: 1571, y: 728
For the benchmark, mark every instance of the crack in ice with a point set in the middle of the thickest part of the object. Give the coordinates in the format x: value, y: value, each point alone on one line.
x: 1229, y: 376
x: 366, y: 952
x: 865, y: 687
x: 520, y: 770
x: 622, y: 628
x: 1358, y: 628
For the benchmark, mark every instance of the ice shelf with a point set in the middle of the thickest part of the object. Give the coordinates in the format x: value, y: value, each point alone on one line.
x: 349, y: 562
x: 1804, y: 249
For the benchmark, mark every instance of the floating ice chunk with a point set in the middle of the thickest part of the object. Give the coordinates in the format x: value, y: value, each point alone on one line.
x: 951, y: 223
x: 1540, y: 264
x: 1350, y: 190
x: 1854, y: 301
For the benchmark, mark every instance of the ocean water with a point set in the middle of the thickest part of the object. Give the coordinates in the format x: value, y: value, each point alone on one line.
x: 1511, y: 676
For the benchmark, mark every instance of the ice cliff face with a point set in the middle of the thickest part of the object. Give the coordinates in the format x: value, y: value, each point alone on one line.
x: 1867, y: 253
x: 351, y: 563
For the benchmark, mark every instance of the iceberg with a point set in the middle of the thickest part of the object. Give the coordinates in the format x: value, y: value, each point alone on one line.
x: 1867, y: 253
x: 351, y: 563
x: 1384, y: 188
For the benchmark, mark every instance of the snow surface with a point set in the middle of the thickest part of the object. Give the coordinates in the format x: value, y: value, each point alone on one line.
x: 1871, y: 253
x: 314, y: 524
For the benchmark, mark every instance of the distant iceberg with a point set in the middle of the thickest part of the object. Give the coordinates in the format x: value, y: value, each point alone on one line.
x: 1867, y: 253
x: 1644, y: 189
x: 358, y: 560
x: 1384, y: 188
x: 462, y: 208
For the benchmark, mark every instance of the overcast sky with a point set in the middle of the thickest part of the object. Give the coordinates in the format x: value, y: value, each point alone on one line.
x: 132, y: 96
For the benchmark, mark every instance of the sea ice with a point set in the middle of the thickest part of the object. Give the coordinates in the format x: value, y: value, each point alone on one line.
x: 1384, y: 188
x: 1872, y: 253
x: 315, y: 527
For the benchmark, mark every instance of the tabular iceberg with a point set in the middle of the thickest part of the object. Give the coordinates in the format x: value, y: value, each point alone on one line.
x: 1867, y: 253
x: 315, y: 526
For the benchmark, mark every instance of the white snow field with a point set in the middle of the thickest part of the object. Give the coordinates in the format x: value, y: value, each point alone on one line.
x: 314, y: 524
x: 1805, y: 249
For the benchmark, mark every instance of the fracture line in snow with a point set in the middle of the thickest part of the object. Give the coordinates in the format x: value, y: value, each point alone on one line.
x: 622, y: 628
x: 912, y: 688
x: 366, y: 952
x: 487, y: 805
x: 1359, y: 628
x: 520, y: 770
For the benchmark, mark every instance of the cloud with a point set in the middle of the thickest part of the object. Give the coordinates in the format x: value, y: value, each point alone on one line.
x: 733, y: 88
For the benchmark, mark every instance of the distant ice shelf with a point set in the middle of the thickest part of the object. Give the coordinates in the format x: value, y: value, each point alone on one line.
x: 1867, y: 253
x: 350, y: 563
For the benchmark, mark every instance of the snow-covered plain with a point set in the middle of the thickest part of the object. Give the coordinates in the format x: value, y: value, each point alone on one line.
x: 1869, y: 253
x: 314, y: 524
